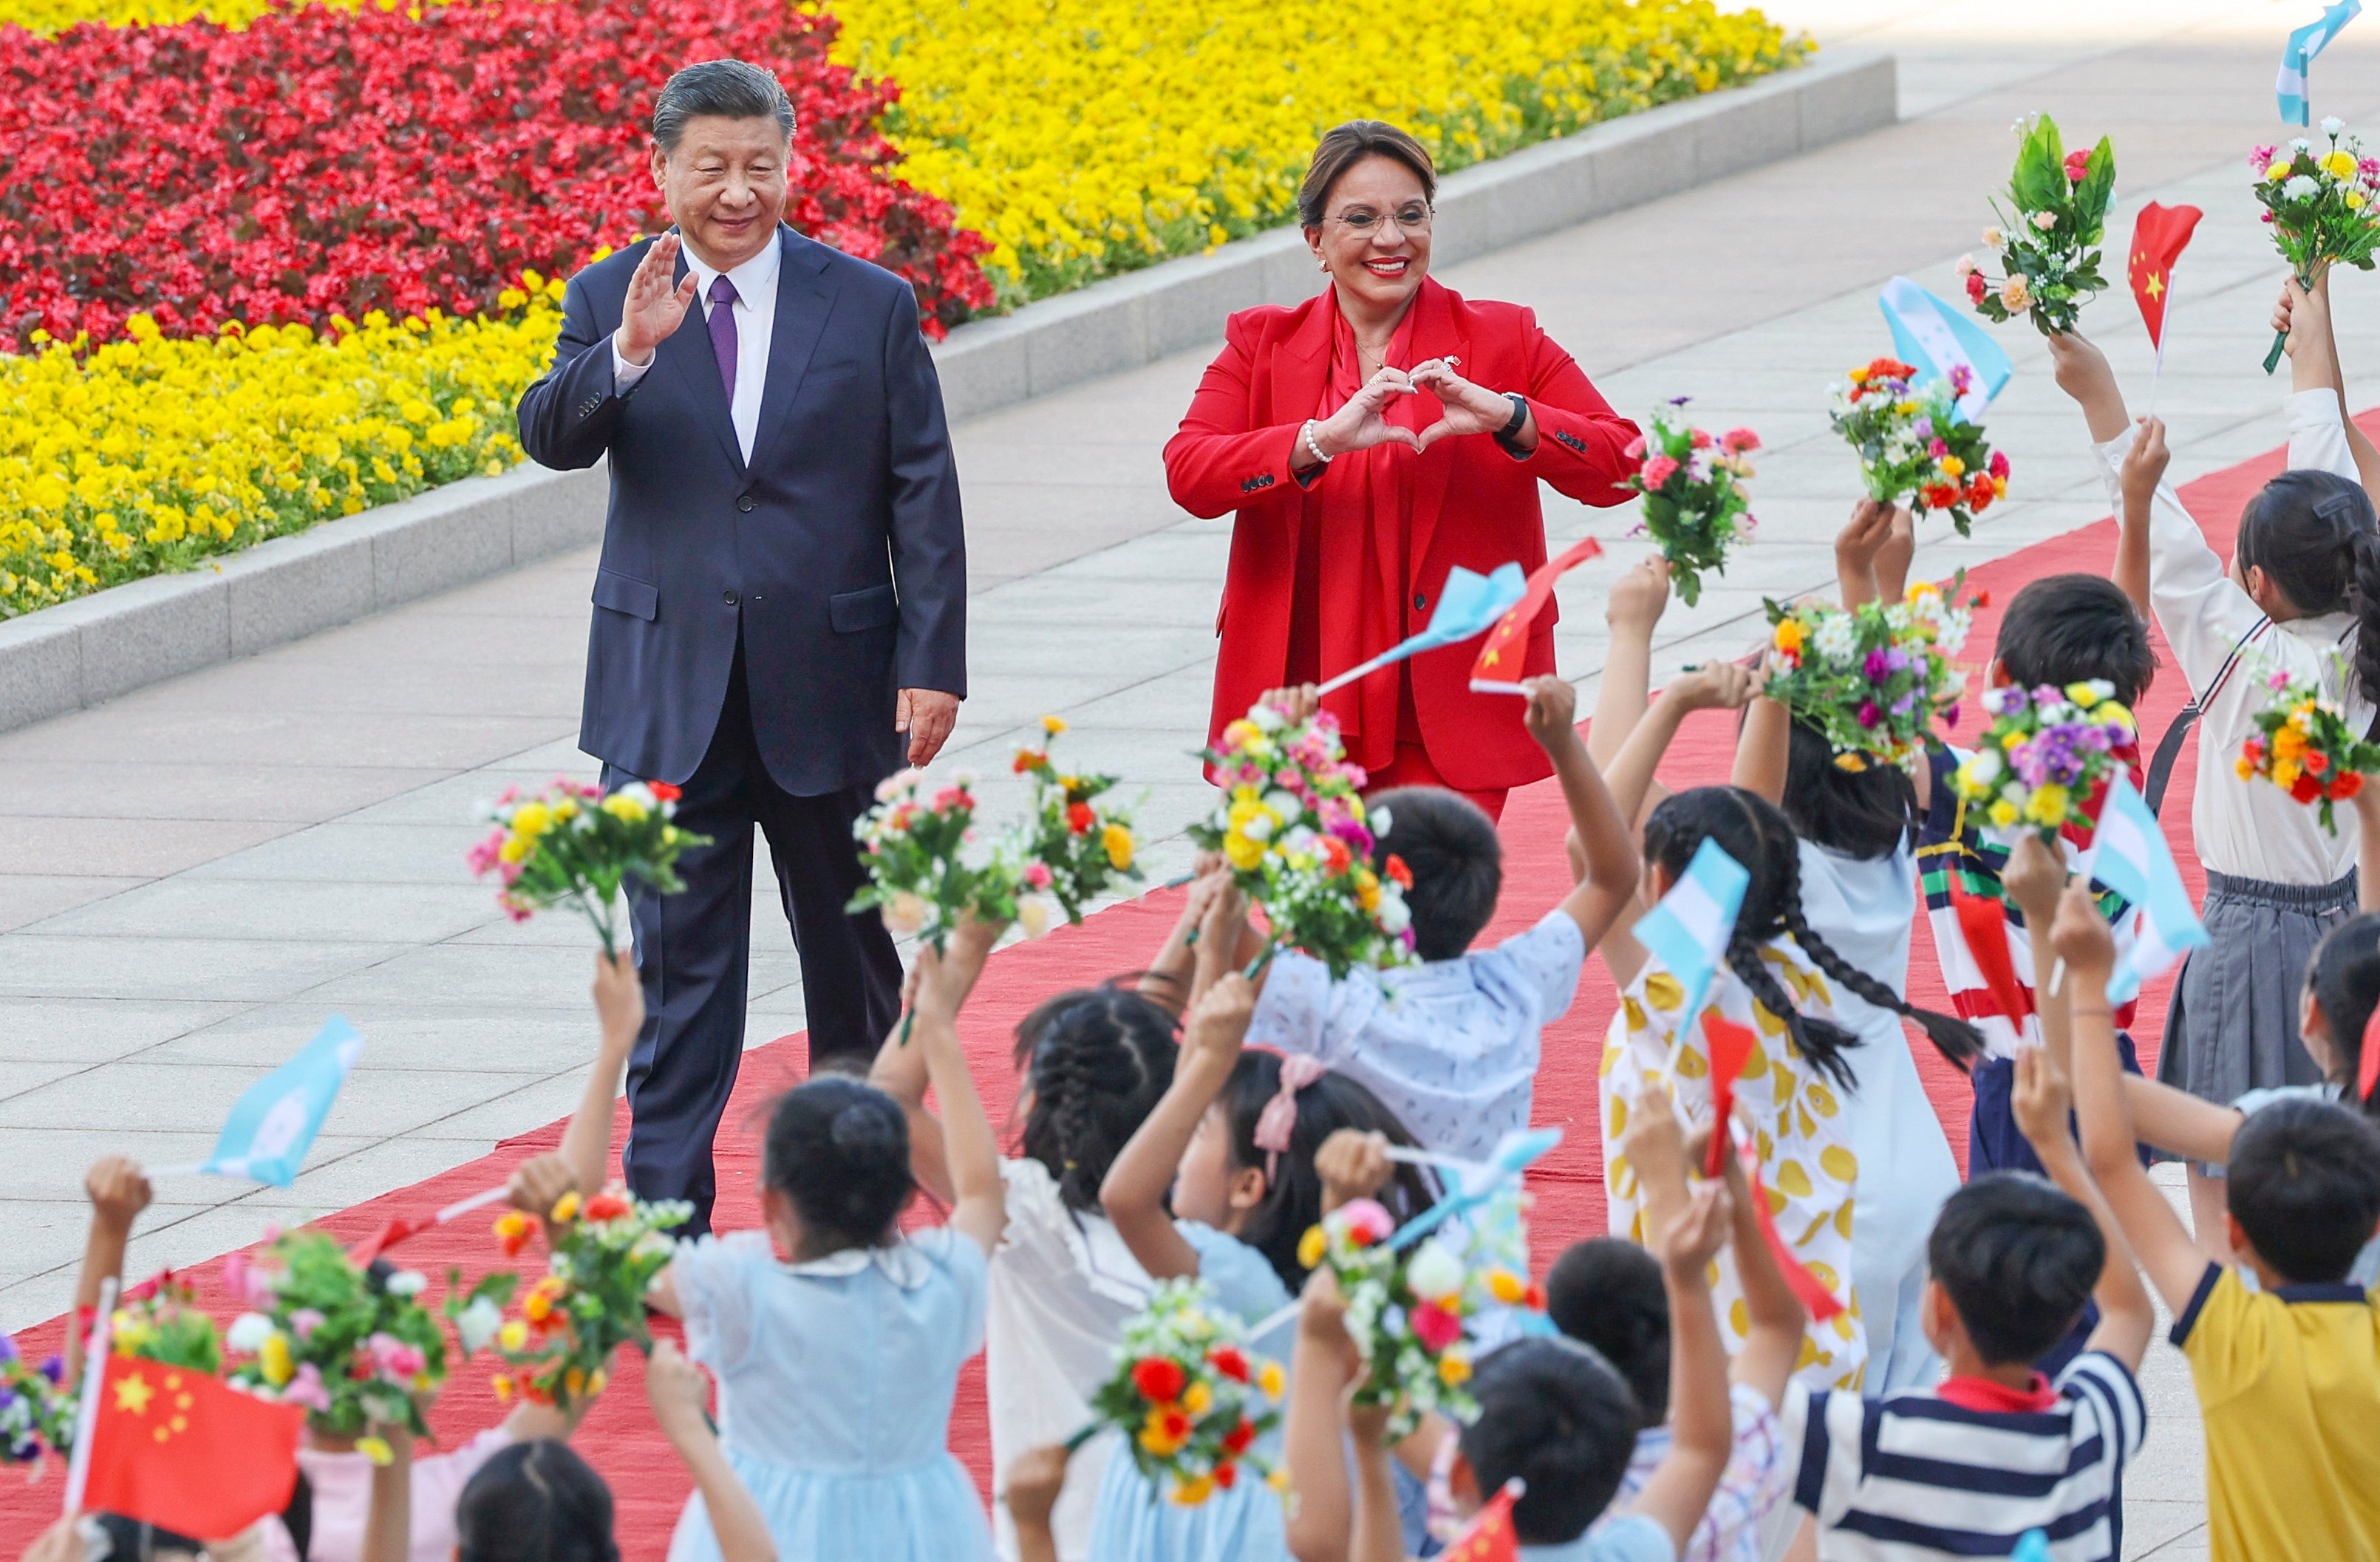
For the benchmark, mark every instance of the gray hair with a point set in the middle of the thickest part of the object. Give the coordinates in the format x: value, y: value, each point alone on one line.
x: 723, y: 88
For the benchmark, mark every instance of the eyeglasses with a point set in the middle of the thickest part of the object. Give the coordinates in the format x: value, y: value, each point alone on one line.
x: 1408, y: 219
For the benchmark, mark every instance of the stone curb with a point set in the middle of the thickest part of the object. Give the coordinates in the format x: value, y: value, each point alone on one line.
x: 94, y: 649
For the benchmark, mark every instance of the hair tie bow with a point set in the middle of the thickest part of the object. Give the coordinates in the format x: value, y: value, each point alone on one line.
x: 1279, y: 1119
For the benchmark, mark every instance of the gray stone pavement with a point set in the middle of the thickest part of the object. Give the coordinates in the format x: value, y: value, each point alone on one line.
x: 193, y: 876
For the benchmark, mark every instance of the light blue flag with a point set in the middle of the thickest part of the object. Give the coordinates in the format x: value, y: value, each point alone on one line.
x: 2304, y: 43
x: 1475, y: 1182
x: 273, y: 1126
x: 2129, y: 855
x: 2031, y: 1547
x: 1933, y: 338
x: 1689, y: 931
x: 1469, y: 604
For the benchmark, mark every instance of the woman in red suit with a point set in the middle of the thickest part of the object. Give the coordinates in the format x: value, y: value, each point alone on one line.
x: 1370, y: 440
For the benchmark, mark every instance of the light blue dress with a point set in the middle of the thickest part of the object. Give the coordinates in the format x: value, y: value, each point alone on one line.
x: 835, y: 1382
x: 1136, y: 1521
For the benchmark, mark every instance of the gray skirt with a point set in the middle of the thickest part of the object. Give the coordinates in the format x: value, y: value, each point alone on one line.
x: 2233, y: 1027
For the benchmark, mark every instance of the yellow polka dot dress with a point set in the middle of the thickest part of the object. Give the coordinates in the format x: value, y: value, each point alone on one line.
x: 1808, y: 1171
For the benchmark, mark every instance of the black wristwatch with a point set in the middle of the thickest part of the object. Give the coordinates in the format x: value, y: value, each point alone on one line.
x: 1512, y: 430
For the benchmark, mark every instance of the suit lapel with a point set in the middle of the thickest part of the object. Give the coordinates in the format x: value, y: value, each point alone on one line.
x: 804, y: 302
x: 689, y: 355
x: 1301, y: 367
x: 1437, y: 334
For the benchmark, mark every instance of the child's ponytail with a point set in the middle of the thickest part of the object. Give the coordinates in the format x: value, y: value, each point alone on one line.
x: 2313, y: 535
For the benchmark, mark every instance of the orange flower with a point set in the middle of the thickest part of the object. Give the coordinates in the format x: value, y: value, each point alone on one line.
x: 1396, y: 870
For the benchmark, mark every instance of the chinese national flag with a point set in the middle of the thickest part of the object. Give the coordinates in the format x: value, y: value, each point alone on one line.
x: 1506, y: 646
x: 2159, y: 236
x: 187, y: 1452
x: 1491, y: 1537
x: 1732, y: 1047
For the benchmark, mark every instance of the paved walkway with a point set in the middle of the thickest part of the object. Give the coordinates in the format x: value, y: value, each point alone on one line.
x: 197, y: 873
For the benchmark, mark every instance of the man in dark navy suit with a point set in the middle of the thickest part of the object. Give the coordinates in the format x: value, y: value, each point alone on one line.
x: 780, y: 613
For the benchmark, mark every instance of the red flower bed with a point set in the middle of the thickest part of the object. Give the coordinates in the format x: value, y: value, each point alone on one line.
x: 324, y: 162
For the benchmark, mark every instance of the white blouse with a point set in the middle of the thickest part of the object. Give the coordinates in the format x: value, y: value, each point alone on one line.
x: 2249, y: 829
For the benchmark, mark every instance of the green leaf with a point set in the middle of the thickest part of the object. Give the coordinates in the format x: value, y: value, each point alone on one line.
x: 2039, y: 180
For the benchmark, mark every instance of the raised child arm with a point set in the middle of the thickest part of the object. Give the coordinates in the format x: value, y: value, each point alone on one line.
x: 1629, y: 613
x: 2163, y: 1245
x: 900, y: 1071
x: 1133, y: 1192
x: 1612, y: 867
x: 2042, y: 1107
x: 620, y: 1015
x: 119, y: 1192
x: 1321, y: 1363
x: 971, y: 1152
x: 1035, y: 1479
x: 675, y: 1389
x: 1701, y: 1429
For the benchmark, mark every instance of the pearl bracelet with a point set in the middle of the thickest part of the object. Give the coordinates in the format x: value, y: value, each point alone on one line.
x: 1312, y: 446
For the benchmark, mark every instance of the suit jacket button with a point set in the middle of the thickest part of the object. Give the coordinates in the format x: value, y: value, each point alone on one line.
x: 729, y: 598
x: 744, y: 501
x: 1421, y: 600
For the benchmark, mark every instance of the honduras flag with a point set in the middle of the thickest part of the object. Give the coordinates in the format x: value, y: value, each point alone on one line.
x: 1933, y: 338
x: 2304, y: 43
x: 1689, y: 931
x: 2130, y: 856
x: 1469, y: 604
x: 273, y: 1125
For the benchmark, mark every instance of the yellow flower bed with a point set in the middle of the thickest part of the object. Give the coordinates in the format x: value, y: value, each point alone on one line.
x: 1090, y: 137
x: 57, y: 15
x: 141, y: 457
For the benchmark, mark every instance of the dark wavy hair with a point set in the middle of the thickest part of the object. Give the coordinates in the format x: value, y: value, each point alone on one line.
x: 1865, y: 814
x: 535, y: 1502
x: 1608, y: 1292
x: 1095, y: 1061
x: 1755, y: 833
x: 839, y: 1149
x: 1293, y: 1197
x: 2313, y: 535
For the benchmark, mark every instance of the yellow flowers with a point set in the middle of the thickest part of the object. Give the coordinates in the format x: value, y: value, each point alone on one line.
x: 1270, y: 1377
x: 514, y: 1336
x: 375, y: 1449
x: 274, y: 1359
x: 146, y: 456
x: 566, y: 1207
x: 1086, y: 137
x: 1117, y: 839
x: 1454, y: 1369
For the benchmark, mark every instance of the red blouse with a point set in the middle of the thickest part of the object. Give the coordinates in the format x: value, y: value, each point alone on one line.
x: 1327, y: 574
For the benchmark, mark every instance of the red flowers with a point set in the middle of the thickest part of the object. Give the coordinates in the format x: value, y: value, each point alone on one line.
x: 1236, y: 1441
x: 1079, y: 818
x: 1976, y: 287
x: 1397, y: 871
x: 1160, y: 1379
x: 2307, y: 787
x: 1227, y: 1359
x: 606, y: 1207
x: 2078, y: 166
x: 664, y: 791
x: 327, y: 161
x: 2346, y: 785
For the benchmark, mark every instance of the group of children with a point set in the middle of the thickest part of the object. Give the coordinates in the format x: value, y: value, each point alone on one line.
x: 1974, y: 1381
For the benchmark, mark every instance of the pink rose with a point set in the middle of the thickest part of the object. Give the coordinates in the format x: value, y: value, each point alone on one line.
x: 1364, y: 1221
x: 1659, y: 469
x: 1037, y: 874
x: 1435, y: 1327
x: 1698, y: 440
x: 1736, y: 440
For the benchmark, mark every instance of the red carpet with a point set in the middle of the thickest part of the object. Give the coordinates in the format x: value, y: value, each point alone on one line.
x: 619, y: 1437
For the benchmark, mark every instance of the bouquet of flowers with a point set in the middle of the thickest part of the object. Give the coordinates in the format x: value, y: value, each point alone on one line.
x: 1694, y: 503
x: 1914, y: 445
x: 573, y: 844
x: 1299, y: 841
x: 592, y: 1301
x: 2323, y: 207
x: 1075, y: 846
x: 2307, y: 748
x: 1407, y: 1312
x: 159, y: 1320
x: 1188, y: 1397
x: 37, y: 1412
x: 2048, y: 234
x: 1874, y: 678
x: 353, y: 1346
x: 2047, y: 755
x: 912, y: 845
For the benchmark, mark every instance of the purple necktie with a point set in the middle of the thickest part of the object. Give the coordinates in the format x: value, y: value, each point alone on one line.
x: 722, y: 331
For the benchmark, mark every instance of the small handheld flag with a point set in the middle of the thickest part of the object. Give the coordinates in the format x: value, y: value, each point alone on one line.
x: 1490, y: 1536
x: 2159, y: 236
x: 1469, y: 604
x: 1689, y: 930
x: 1934, y: 339
x: 273, y: 1126
x: 2129, y: 855
x: 1732, y: 1047
x: 2305, y: 42
x: 183, y: 1451
x: 1498, y: 670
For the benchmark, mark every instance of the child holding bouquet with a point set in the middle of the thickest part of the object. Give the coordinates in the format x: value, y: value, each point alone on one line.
x: 1234, y: 1139
x: 2300, y: 600
x: 837, y: 1366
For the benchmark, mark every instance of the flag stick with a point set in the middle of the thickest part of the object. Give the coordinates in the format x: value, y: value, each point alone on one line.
x: 477, y: 1200
x: 2157, y: 376
x: 193, y: 1169
x: 95, y: 1366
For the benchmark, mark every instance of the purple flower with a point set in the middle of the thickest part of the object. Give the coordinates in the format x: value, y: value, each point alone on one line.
x: 1905, y: 704
x: 1896, y: 659
x: 1962, y: 378
x: 8, y: 1349
x: 1877, y: 665
x: 54, y: 1368
x: 1357, y: 837
x: 1868, y: 713
x: 1679, y: 400
x: 1923, y: 429
x: 2004, y: 702
x: 1951, y: 717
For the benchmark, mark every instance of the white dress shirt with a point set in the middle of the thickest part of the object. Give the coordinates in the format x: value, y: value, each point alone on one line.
x: 2250, y: 829
x: 756, y: 318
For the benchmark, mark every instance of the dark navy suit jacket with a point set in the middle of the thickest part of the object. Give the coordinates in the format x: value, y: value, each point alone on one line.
x: 839, y: 550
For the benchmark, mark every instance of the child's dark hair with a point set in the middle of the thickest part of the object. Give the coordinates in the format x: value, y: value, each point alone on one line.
x: 2067, y: 629
x: 1557, y: 1415
x: 2344, y: 976
x: 1293, y: 1200
x: 1750, y: 829
x: 1095, y: 1060
x: 1606, y: 1292
x: 1864, y: 812
x: 2303, y: 1182
x: 839, y: 1149
x: 2018, y: 1258
x: 2313, y: 535
x: 1457, y: 861
x: 535, y: 1502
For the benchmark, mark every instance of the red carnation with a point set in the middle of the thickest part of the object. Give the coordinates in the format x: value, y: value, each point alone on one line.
x: 2078, y: 166
x: 1079, y: 818
x: 664, y: 792
x: 1236, y: 1441
x: 1976, y: 287
x: 1397, y: 872
x: 2305, y: 789
x: 1227, y: 1359
x: 2346, y: 785
x: 1336, y: 858
x: 1227, y: 1475
x: 1027, y: 760
x: 1159, y: 1378
x: 606, y: 1207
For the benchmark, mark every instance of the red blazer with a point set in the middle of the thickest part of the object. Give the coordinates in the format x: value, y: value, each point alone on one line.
x: 1473, y: 504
